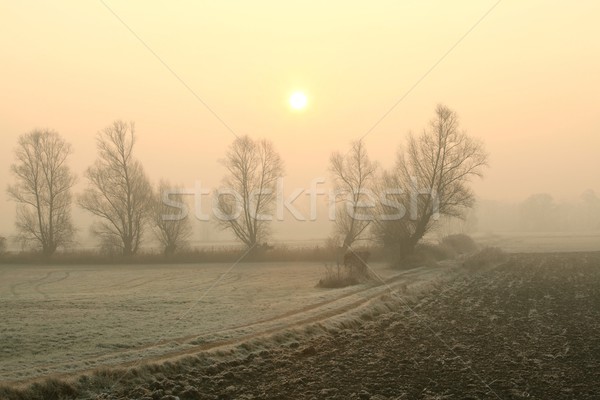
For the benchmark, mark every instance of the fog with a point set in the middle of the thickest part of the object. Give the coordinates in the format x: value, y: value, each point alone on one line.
x: 299, y: 200
x: 523, y: 79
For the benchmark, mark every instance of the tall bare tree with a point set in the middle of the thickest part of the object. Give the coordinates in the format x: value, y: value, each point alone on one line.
x: 433, y: 174
x: 353, y: 178
x: 118, y: 192
x: 43, y: 190
x: 171, y: 228
x: 250, y: 189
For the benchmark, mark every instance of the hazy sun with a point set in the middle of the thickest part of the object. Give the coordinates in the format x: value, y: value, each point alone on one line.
x: 298, y: 100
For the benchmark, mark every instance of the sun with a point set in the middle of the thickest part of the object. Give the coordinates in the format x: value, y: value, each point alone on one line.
x: 298, y: 100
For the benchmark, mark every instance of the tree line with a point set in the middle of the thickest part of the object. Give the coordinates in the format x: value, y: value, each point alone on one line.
x: 431, y: 177
x: 118, y: 193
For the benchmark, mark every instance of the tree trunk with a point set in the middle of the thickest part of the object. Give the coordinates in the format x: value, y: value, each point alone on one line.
x: 127, y: 249
x: 170, y: 250
x: 48, y: 249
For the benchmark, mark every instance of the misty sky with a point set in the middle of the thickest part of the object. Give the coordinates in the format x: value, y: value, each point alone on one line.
x: 525, y: 80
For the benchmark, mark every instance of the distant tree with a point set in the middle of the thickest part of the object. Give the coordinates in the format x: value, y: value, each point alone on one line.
x: 253, y: 168
x: 432, y: 176
x: 589, y: 197
x: 353, y: 180
x: 118, y: 192
x: 171, y: 229
x: 539, y: 213
x: 43, y: 190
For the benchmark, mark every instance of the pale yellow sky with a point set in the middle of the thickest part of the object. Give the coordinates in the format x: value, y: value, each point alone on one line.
x: 526, y: 81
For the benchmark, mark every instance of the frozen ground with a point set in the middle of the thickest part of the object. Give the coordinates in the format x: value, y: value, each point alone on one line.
x: 58, y: 320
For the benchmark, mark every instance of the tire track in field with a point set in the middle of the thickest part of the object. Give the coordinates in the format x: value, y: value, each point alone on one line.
x: 141, y: 281
x: 232, y: 277
x: 123, y: 285
x: 14, y: 286
x: 43, y: 283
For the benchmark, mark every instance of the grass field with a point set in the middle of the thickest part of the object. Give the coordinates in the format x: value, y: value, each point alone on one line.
x: 65, y: 319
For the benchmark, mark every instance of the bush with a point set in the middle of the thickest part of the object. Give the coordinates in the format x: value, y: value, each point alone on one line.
x: 427, y: 254
x: 354, y: 271
x: 486, y: 257
x: 356, y: 262
x: 460, y: 243
x: 336, y: 276
x: 2, y: 245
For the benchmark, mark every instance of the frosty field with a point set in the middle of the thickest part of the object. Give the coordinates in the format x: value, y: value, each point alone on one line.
x: 58, y: 319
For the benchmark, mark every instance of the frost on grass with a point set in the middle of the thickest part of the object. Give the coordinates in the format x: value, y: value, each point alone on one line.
x: 59, y: 319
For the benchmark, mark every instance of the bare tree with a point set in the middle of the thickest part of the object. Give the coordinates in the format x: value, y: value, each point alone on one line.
x: 432, y: 175
x: 353, y: 178
x: 250, y: 189
x: 119, y: 192
x: 43, y: 190
x: 171, y: 229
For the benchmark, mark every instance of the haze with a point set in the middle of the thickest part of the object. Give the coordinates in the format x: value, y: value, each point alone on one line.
x: 524, y: 80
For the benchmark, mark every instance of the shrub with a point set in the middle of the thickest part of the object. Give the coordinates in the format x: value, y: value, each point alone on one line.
x: 356, y: 262
x: 2, y: 245
x: 353, y: 271
x: 426, y: 254
x: 460, y: 243
x: 485, y: 258
x: 336, y: 276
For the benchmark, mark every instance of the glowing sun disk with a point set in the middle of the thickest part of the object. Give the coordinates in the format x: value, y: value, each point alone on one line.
x: 298, y: 100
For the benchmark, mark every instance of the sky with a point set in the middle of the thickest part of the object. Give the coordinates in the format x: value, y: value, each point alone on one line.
x: 522, y: 76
